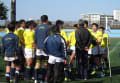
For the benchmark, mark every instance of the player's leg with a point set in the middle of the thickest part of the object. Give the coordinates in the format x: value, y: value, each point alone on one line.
x: 85, y: 65
x: 29, y: 55
x: 51, y: 69
x: 50, y: 73
x: 59, y: 72
x: 37, y: 67
x: 8, y: 68
x: 28, y: 68
x: 12, y: 72
x: 44, y: 68
x: 17, y: 71
x: 72, y: 57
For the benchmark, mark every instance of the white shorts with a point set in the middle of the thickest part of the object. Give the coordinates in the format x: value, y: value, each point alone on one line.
x: 93, y: 51
x: 10, y: 58
x: 53, y: 59
x: 29, y: 53
x: 73, y: 49
x: 40, y: 52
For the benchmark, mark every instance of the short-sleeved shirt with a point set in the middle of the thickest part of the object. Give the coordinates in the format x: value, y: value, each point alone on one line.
x: 96, y: 36
x: 72, y: 39
x: 64, y: 35
x: 28, y: 36
x: 104, y: 40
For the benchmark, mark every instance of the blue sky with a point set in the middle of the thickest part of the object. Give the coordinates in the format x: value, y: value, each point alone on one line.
x: 68, y: 10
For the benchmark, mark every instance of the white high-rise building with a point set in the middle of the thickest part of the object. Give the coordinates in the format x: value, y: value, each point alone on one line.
x: 116, y: 14
x: 97, y: 18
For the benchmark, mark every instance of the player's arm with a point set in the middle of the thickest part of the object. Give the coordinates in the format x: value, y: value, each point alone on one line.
x: 63, y: 48
x: 34, y: 44
x: 45, y: 46
x: 90, y: 40
x: 17, y: 47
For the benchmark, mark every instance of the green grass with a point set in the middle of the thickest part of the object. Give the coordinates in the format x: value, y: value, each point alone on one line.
x: 115, y: 65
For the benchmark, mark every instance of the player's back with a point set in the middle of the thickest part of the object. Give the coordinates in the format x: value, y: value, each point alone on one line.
x: 28, y: 38
x: 55, y: 45
x: 64, y: 35
x: 10, y: 44
x: 41, y: 33
x: 72, y: 39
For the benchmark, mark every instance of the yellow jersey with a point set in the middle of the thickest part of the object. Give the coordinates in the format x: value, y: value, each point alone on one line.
x: 90, y: 30
x: 20, y: 33
x: 104, y: 40
x: 15, y: 32
x: 28, y: 36
x: 72, y: 39
x: 64, y: 35
x: 96, y: 36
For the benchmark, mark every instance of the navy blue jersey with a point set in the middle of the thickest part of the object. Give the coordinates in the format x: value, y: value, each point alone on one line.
x: 55, y: 45
x: 41, y: 33
x: 10, y: 45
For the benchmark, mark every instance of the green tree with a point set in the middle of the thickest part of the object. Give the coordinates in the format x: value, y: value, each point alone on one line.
x: 3, y: 11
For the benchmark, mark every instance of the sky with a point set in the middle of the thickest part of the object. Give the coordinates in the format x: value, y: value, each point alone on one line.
x: 68, y: 10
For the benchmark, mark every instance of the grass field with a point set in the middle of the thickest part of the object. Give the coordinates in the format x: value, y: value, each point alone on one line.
x: 115, y: 65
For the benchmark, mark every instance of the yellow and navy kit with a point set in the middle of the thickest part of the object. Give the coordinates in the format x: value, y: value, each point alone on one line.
x: 28, y: 36
x: 10, y: 45
x: 104, y: 40
x: 64, y: 35
x: 72, y: 39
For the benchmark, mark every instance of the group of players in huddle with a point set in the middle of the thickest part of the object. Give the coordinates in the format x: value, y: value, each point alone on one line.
x: 44, y: 49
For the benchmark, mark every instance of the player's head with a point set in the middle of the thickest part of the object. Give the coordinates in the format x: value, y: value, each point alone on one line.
x: 55, y: 29
x: 75, y: 27
x: 60, y: 23
x: 44, y: 19
x: 22, y: 23
x: 81, y: 23
x: 34, y: 25
x: 85, y: 24
x: 94, y: 26
x: 28, y: 25
x: 17, y: 25
x: 11, y: 27
x: 102, y: 29
x: 49, y: 23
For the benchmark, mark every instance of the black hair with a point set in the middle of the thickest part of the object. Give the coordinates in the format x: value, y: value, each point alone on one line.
x: 102, y: 28
x: 21, y: 21
x: 34, y: 24
x: 58, y: 22
x: 49, y: 23
x: 95, y: 24
x: 11, y: 26
x: 81, y: 23
x: 55, y: 29
x: 27, y: 24
x: 75, y: 25
x: 44, y: 18
x: 86, y: 22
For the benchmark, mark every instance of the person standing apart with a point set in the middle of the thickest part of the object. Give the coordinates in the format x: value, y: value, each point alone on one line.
x: 83, y: 41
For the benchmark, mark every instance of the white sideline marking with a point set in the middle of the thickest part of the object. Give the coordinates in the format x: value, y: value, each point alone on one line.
x: 114, y: 48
